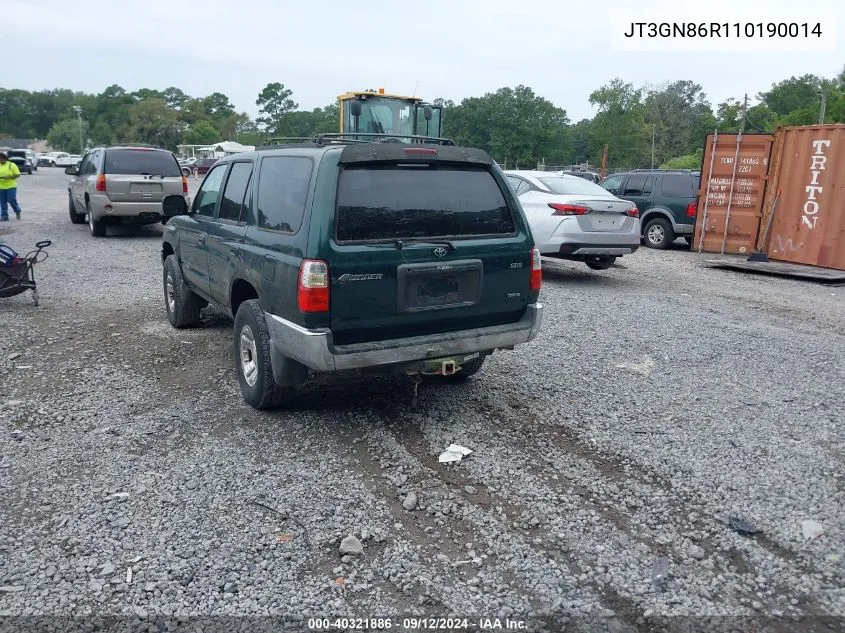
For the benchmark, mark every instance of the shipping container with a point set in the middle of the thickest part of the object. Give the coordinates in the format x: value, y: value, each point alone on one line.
x: 805, y: 202
x: 734, y: 172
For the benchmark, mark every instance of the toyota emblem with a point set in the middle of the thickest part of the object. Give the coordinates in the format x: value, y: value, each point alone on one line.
x: 440, y: 251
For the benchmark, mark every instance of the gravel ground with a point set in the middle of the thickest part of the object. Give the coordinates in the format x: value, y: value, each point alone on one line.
x: 660, y: 399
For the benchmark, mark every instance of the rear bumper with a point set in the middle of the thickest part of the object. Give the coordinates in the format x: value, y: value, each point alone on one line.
x: 105, y: 208
x: 316, y: 350
x: 589, y: 248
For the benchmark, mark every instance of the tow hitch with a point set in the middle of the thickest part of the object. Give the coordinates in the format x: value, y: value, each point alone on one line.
x: 448, y: 367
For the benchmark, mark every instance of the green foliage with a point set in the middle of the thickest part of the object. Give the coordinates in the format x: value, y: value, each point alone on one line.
x: 65, y: 135
x: 513, y: 124
x: 153, y: 121
x: 688, y: 161
x: 203, y: 133
x: 274, y: 101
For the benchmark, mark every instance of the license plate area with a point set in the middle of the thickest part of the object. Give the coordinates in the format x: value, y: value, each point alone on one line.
x: 145, y: 187
x: 438, y: 286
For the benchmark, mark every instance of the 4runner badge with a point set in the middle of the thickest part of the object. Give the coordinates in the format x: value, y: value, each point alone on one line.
x: 348, y: 277
x: 439, y: 251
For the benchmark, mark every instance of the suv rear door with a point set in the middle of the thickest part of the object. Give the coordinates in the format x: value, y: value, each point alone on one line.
x: 677, y: 191
x: 141, y: 175
x: 423, y: 241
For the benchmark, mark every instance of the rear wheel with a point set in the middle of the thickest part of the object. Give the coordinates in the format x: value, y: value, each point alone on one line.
x: 98, y: 227
x: 601, y: 263
x: 251, y: 348
x: 658, y: 233
x: 182, y: 305
x: 76, y: 218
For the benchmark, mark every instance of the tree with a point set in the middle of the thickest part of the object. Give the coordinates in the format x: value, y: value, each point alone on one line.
x: 64, y: 136
x: 175, y: 98
x: 793, y: 94
x: 688, y: 161
x: 203, y: 133
x: 674, y: 110
x: 513, y: 124
x: 274, y: 101
x: 620, y: 124
x: 153, y: 121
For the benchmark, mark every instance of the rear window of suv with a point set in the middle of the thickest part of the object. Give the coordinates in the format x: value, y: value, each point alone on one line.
x: 380, y: 203
x: 141, y: 161
x: 677, y: 186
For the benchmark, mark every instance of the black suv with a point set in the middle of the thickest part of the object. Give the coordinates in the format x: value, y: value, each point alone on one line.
x: 333, y: 255
x: 666, y: 200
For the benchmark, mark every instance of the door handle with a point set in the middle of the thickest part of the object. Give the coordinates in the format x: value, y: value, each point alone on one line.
x: 201, y: 241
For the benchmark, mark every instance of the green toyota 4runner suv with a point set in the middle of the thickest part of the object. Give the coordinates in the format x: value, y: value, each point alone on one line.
x: 411, y: 258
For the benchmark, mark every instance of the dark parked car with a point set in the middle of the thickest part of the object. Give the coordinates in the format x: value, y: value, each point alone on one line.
x: 378, y: 257
x: 19, y: 158
x: 666, y: 199
x: 203, y: 165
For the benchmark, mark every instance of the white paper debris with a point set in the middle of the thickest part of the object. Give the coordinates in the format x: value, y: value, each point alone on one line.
x: 129, y: 576
x: 453, y: 453
x: 811, y: 529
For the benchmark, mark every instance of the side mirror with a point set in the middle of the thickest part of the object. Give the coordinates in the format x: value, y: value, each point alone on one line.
x: 73, y: 170
x: 355, y: 108
x: 427, y: 113
x: 175, y: 205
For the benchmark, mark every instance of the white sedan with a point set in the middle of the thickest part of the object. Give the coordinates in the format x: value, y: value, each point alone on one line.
x: 573, y: 218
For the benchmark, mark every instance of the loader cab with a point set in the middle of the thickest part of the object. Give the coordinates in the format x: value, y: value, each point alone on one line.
x: 372, y: 112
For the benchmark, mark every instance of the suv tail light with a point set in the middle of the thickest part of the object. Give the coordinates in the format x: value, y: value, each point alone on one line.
x: 101, y: 183
x: 692, y: 207
x: 536, y: 270
x: 313, y: 290
x: 633, y: 212
x: 184, y: 184
x: 568, y: 209
x: 428, y: 151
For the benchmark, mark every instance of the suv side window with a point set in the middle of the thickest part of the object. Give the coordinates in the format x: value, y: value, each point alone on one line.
x: 232, y: 202
x: 283, y: 184
x: 206, y: 200
x: 677, y: 186
x: 613, y: 183
x: 638, y: 185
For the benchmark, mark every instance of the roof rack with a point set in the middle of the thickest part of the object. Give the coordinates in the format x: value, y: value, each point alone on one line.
x: 284, y: 140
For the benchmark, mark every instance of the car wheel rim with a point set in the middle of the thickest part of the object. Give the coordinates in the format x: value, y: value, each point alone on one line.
x: 170, y: 294
x: 249, y: 365
x: 90, y: 219
x: 656, y: 234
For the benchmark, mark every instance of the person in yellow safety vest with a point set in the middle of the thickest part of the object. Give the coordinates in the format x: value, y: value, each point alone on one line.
x: 9, y: 173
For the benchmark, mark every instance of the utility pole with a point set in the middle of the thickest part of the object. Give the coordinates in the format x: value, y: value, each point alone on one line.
x: 652, y: 145
x: 821, y: 111
x: 78, y: 111
x: 744, y: 112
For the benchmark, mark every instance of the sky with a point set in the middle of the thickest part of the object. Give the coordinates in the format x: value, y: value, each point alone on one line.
x: 433, y: 48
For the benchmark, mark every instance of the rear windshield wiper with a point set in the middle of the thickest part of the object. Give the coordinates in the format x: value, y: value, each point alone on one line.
x: 412, y: 240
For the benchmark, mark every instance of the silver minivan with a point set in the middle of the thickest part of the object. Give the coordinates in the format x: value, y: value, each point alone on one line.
x: 125, y: 185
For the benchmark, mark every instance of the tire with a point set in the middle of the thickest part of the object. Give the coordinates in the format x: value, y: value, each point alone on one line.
x: 97, y: 227
x: 180, y: 303
x: 688, y: 240
x: 76, y: 218
x: 52, y: 163
x: 602, y: 263
x: 251, y: 351
x: 467, y: 369
x: 658, y: 233
x: 186, y: 172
